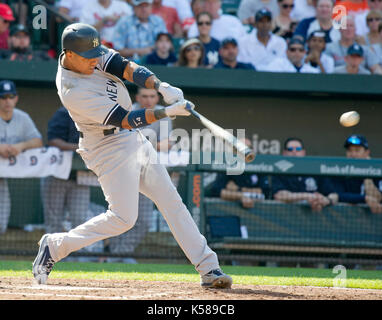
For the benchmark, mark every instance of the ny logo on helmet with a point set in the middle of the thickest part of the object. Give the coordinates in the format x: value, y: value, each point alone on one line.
x: 95, y: 42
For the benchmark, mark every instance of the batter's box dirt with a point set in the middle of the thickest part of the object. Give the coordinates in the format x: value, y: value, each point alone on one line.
x: 14, y: 288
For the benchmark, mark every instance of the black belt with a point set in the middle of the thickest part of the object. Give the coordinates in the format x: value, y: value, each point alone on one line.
x: 106, y: 132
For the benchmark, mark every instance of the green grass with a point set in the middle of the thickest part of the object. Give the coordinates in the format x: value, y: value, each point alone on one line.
x: 174, y: 272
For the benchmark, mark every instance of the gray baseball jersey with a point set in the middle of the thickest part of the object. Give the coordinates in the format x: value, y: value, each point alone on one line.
x: 123, y: 164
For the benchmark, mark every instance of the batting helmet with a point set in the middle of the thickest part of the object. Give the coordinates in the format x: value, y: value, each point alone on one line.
x: 83, y: 39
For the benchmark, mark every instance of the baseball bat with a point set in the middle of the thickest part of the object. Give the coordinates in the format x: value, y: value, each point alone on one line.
x: 245, y: 152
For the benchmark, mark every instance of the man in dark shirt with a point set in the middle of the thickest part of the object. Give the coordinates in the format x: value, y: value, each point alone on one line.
x: 292, y: 189
x: 228, y: 56
x: 356, y: 190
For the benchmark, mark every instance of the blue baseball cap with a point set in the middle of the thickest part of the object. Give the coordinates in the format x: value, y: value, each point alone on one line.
x: 356, y: 140
x: 355, y: 49
x: 7, y: 87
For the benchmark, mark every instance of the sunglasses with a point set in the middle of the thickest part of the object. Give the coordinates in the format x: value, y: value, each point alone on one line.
x: 8, y: 96
x: 296, y: 49
x: 207, y: 23
x: 190, y: 48
x: 294, y: 148
x: 373, y: 19
x: 287, y: 6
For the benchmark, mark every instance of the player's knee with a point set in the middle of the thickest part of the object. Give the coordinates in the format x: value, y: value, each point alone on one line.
x: 123, y: 223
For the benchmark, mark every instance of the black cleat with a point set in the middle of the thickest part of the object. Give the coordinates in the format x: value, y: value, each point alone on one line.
x: 43, y: 264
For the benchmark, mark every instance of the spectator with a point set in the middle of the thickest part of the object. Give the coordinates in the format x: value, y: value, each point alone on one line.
x: 211, y: 45
x: 322, y: 21
x: 247, y: 9
x: 197, y: 6
x: 377, y: 47
x: 135, y: 35
x: 20, y: 48
x: 373, y: 19
x: 170, y: 17
x: 17, y: 134
x: 104, y: 15
x: 304, y: 9
x: 294, y: 60
x: 338, y: 49
x: 228, y: 56
x: 284, y: 25
x: 353, y: 61
x: 223, y: 25
x: 353, y: 6
x: 291, y: 189
x: 71, y: 8
x: 261, y: 46
x: 355, y: 190
x: 164, y: 51
x: 316, y: 56
x: 158, y: 134
x: 191, y: 54
x: 360, y: 18
x: 6, y: 16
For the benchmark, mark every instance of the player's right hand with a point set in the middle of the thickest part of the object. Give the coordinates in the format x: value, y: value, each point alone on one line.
x: 179, y: 109
x: 170, y: 94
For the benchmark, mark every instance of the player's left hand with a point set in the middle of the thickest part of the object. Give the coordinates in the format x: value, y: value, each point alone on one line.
x: 170, y: 94
x: 179, y: 109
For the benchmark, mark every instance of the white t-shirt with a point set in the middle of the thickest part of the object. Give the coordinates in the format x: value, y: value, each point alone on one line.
x: 251, y: 50
x: 327, y: 62
x: 361, y: 27
x: 94, y: 12
x: 226, y: 26
x: 284, y: 65
x: 302, y: 10
x: 183, y: 8
x: 74, y: 7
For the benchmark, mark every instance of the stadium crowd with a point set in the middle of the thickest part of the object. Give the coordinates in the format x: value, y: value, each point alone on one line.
x: 308, y: 36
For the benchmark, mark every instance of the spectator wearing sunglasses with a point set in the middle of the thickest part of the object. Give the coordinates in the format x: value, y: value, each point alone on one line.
x: 373, y: 20
x: 6, y: 17
x: 228, y: 56
x: 294, y: 61
x: 360, y: 17
x: 292, y: 189
x: 284, y: 25
x: 17, y: 134
x: 211, y: 45
x: 261, y: 46
x: 191, y: 54
x: 355, y: 190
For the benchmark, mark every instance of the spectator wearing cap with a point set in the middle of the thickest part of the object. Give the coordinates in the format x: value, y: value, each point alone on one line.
x: 360, y: 19
x: 164, y: 51
x: 223, y: 25
x: 338, y: 49
x: 295, y: 189
x: 294, y: 60
x: 321, y: 21
x: 17, y: 134
x: 353, y: 60
x: 20, y: 47
x: 135, y: 35
x: 104, y: 15
x: 170, y: 17
x: 228, y: 56
x: 355, y: 190
x: 283, y: 24
x: 261, y: 46
x: 6, y: 17
x: 315, y: 56
x: 247, y: 9
x: 191, y: 54
x: 211, y: 45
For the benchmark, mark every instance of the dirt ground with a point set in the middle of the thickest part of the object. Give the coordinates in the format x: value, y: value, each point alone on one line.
x: 12, y: 288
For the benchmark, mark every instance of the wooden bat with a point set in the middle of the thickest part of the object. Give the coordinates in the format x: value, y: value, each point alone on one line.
x: 247, y: 153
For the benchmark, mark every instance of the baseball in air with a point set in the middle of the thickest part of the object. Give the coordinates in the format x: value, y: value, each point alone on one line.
x: 349, y: 119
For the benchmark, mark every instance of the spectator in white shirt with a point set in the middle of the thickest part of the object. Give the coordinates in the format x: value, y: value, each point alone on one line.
x: 294, y: 61
x: 223, y: 25
x: 104, y: 15
x: 316, y: 56
x: 261, y: 47
x: 360, y: 18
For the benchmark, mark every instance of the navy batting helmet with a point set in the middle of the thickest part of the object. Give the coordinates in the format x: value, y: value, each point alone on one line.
x: 83, y: 39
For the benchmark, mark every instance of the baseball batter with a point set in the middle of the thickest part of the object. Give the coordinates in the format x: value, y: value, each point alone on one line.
x: 90, y: 85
